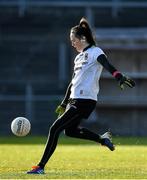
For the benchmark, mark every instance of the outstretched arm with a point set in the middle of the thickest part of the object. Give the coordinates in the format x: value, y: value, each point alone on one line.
x: 122, y: 80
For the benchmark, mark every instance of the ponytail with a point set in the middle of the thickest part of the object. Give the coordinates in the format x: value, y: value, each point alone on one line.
x: 83, y: 29
x: 84, y: 23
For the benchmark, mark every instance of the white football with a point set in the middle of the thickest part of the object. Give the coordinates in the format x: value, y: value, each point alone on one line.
x: 20, y: 126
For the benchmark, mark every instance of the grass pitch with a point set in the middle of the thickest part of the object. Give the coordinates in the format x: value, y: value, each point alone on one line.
x: 85, y: 160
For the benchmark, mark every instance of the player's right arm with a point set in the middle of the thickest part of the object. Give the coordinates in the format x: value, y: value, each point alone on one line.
x: 122, y: 80
x: 61, y: 108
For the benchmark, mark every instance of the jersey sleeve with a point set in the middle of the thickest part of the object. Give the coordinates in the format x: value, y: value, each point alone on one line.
x: 102, y: 59
x: 98, y: 52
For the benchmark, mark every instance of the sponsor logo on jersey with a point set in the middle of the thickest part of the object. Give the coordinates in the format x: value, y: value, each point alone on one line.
x: 84, y: 62
x: 86, y: 56
x: 77, y: 68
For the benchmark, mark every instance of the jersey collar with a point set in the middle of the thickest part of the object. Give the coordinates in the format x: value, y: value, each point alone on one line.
x: 87, y: 47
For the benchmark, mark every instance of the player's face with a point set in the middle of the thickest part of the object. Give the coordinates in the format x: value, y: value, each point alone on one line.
x: 76, y: 42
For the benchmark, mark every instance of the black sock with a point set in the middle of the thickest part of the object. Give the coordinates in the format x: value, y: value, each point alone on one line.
x: 41, y: 165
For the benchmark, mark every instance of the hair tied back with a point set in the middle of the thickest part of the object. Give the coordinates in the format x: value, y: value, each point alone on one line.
x: 83, y: 23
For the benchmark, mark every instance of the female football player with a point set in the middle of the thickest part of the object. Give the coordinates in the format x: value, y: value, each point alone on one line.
x: 81, y: 95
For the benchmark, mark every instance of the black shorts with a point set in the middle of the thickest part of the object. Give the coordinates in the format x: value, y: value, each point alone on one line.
x: 84, y: 106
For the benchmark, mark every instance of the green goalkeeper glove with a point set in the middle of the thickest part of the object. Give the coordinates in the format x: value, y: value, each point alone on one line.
x: 60, y: 110
x: 126, y: 81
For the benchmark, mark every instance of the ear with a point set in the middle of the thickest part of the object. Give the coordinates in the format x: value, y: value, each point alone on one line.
x: 83, y: 38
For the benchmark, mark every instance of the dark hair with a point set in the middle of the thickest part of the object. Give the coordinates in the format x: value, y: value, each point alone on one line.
x: 83, y: 29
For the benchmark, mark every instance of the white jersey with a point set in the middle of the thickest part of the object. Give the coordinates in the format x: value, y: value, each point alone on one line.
x: 87, y: 71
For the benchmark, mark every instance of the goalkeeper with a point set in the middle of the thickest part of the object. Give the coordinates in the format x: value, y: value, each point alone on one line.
x: 81, y: 96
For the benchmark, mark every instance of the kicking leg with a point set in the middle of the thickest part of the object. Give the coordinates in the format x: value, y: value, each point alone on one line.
x: 83, y: 133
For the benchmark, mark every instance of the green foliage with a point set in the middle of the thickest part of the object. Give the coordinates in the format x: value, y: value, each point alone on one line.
x: 86, y: 160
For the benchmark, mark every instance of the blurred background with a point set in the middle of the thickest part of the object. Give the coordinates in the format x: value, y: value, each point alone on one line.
x: 36, y: 61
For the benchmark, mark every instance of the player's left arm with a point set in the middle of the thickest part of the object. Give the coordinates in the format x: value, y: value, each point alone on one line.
x: 122, y: 80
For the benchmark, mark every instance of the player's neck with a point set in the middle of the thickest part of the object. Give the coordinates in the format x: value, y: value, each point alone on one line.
x: 87, y: 47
